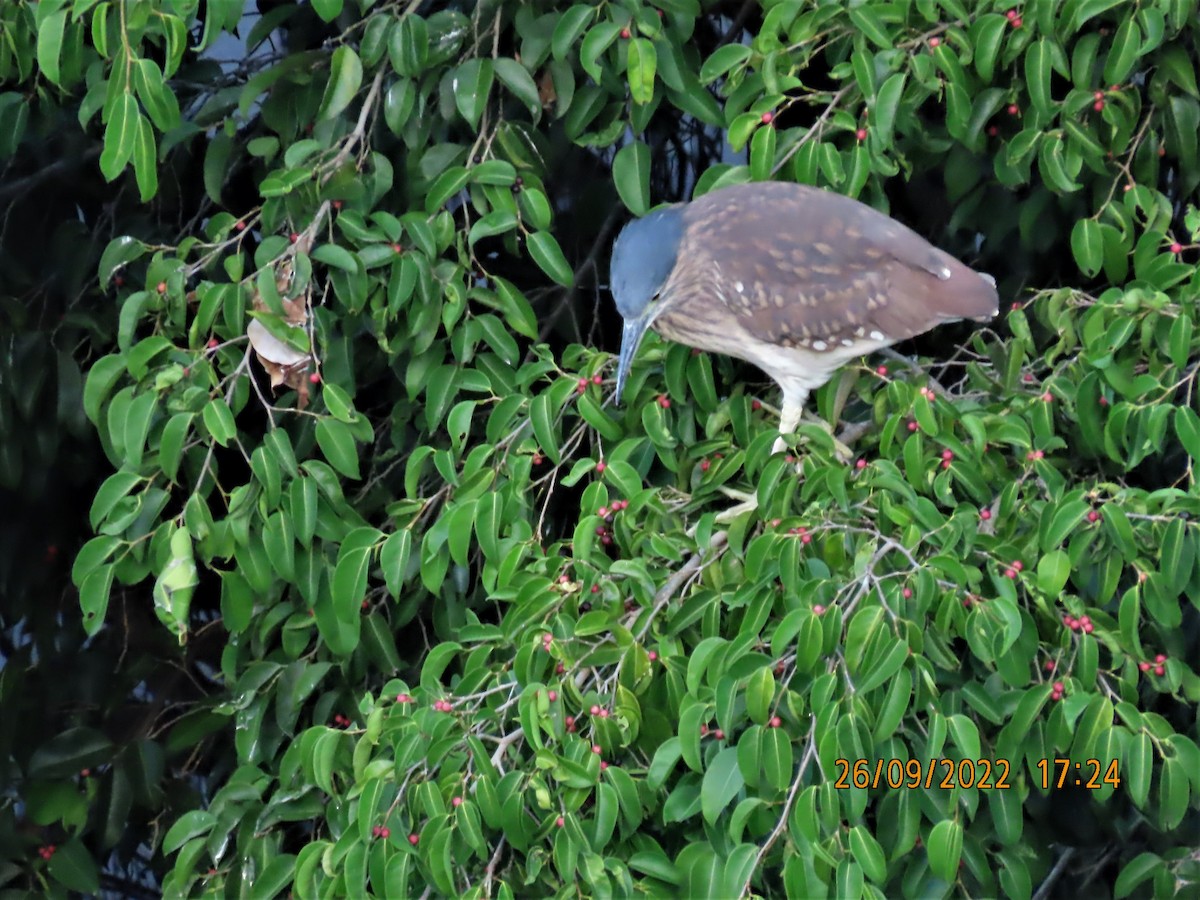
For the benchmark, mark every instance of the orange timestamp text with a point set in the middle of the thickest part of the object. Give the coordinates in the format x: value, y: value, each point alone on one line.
x: 1061, y: 773
x: 984, y: 774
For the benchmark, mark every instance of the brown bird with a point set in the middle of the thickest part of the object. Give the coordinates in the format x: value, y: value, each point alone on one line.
x: 797, y: 280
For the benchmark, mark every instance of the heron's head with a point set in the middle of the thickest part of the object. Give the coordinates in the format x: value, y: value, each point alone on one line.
x: 644, y: 254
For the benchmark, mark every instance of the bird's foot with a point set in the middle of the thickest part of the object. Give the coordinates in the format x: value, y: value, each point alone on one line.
x: 747, y: 503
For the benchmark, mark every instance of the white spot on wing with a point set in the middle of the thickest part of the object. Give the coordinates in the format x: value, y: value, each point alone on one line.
x: 846, y: 342
x: 877, y: 335
x: 739, y: 287
x: 819, y: 345
x: 943, y: 273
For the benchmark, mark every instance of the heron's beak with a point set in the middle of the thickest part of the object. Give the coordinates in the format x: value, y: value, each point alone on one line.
x: 631, y: 338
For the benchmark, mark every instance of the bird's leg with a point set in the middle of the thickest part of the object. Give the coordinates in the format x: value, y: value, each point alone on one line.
x: 789, y: 415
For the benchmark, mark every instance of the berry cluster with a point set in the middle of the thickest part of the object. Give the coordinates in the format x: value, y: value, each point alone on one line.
x: 1083, y: 623
x: 1158, y: 665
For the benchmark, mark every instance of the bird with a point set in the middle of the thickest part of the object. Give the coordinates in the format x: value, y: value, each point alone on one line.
x: 795, y: 279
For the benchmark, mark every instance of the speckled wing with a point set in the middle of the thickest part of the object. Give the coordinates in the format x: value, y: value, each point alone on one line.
x: 799, y: 266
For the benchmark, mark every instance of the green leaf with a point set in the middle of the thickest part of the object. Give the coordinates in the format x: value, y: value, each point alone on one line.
x: 945, y: 849
x: 546, y: 253
x: 1123, y: 54
x: 722, y: 782
x: 641, y: 69
x: 1087, y: 245
x: 723, y: 60
x: 337, y: 444
x: 49, y: 45
x: 1139, y: 869
x: 1037, y: 75
x: 631, y: 174
x: 328, y: 10
x: 192, y: 824
x: 517, y: 79
x: 145, y: 161
x: 570, y: 26
x: 882, y: 115
x: 345, y: 78
x: 868, y: 854
x: 120, y: 136
x: 218, y: 419
x: 867, y: 21
x: 472, y: 83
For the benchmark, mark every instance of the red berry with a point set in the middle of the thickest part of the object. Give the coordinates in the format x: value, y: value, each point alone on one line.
x: 1088, y: 627
x: 705, y: 465
x: 457, y: 801
x: 385, y: 832
x: 1103, y: 401
x: 1018, y: 565
x: 947, y: 455
x: 719, y: 734
x: 1013, y: 109
x: 1098, y: 95
x: 315, y: 377
x: 597, y: 749
x: 818, y: 610
x: 992, y: 131
x: 1058, y: 686
x: 935, y: 42
x: 1177, y: 248
x: 412, y: 839
x: 560, y: 669
x: 603, y: 765
x: 861, y: 134
x: 652, y: 655
x: 553, y: 695
x: 1160, y: 658
x: 1010, y: 573
x: 1016, y: 23
x: 597, y: 379
x: 1093, y: 516
x: 664, y: 401
x: 1047, y: 397
x: 569, y: 720
x: 881, y: 370
x: 595, y: 710
x: 212, y: 344
x: 755, y: 405
x: 403, y: 698
x: 768, y: 117
x: 860, y: 464
x: 625, y: 34
x: 1011, y: 14
x: 560, y: 822
x: 1098, y: 105
x: 601, y: 466
x: 912, y: 426
x: 603, y: 712
x: 293, y: 237
x: 397, y: 248
x: 1049, y: 666
x: 985, y: 514
x: 239, y: 225
x: 162, y: 287
x: 537, y: 459
x: 337, y: 204
x: 906, y: 593
x: 602, y: 512
x: 1160, y: 670
x: 775, y: 722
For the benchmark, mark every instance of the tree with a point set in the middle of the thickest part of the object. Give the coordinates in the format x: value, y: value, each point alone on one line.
x: 431, y: 618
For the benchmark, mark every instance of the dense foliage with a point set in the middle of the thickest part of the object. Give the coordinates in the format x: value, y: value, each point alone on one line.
x: 378, y: 594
